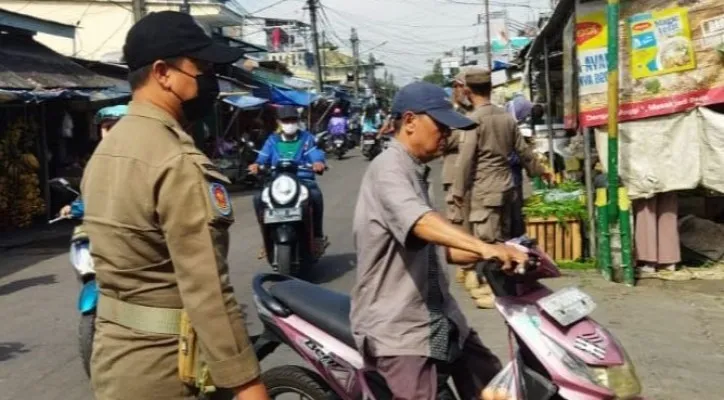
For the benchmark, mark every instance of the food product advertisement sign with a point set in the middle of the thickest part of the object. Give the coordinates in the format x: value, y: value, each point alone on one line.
x: 660, y: 43
x: 671, y: 58
x: 591, y: 42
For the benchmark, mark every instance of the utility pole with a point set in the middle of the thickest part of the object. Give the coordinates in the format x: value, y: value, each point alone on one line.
x: 355, y: 53
x: 487, y: 35
x: 324, y: 54
x: 312, y: 4
x: 139, y: 9
x: 185, y: 7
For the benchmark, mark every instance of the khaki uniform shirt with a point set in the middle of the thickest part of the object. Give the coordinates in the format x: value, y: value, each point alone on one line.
x: 451, y: 154
x: 401, y: 303
x: 157, y: 214
x: 483, y: 164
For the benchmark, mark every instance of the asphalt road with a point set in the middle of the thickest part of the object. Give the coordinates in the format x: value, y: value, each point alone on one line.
x: 675, y: 336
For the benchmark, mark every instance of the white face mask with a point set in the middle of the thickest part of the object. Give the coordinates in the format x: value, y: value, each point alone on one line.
x: 290, y: 129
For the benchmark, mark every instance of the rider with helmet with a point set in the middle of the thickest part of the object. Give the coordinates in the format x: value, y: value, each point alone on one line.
x: 105, y: 118
x: 338, y: 124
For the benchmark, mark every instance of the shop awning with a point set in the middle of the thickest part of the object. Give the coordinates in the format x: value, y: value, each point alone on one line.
x: 244, y: 102
x: 28, y: 65
x: 38, y: 96
x: 283, y: 96
x: 554, y: 25
x: 292, y: 97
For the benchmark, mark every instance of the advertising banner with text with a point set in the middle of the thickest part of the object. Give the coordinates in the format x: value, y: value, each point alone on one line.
x: 671, y: 58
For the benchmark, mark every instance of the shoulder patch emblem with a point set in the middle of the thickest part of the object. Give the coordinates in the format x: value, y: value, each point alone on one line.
x: 220, y: 199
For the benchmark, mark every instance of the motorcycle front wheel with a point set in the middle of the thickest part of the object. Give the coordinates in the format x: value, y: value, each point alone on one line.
x: 284, y: 259
x: 86, y: 331
x: 292, y: 379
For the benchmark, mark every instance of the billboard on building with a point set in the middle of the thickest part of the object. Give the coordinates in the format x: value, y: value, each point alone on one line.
x: 671, y: 58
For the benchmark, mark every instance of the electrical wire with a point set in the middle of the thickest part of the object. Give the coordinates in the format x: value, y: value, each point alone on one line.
x: 268, y: 7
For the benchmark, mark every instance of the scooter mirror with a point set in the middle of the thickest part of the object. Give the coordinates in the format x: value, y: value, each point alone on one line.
x: 59, y: 181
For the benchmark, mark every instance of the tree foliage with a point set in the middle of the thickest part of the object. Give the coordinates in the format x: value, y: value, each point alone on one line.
x: 436, y: 77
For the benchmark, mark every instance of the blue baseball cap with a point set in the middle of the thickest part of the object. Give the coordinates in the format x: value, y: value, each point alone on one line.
x: 423, y: 97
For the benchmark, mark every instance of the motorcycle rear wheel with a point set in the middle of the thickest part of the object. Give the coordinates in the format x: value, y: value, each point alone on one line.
x: 86, y: 331
x: 294, y: 379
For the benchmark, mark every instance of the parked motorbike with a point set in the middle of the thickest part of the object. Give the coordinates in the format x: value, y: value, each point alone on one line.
x: 370, y: 145
x: 561, y: 352
x: 286, y: 222
x: 82, y: 262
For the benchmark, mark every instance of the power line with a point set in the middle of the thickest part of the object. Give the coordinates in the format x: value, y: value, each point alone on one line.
x: 268, y: 7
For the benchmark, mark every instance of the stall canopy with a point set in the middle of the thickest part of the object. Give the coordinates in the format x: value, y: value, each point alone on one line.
x: 285, y: 97
x: 244, y: 102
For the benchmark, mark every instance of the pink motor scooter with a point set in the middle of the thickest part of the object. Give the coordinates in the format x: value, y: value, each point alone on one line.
x: 558, y: 352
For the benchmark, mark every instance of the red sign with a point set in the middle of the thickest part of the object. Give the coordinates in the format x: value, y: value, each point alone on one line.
x: 586, y: 31
x: 641, y: 26
x: 655, y: 107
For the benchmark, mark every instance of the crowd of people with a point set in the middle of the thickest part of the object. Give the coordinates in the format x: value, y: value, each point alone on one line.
x: 157, y: 213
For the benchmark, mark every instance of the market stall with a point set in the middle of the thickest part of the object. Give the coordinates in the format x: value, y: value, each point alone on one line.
x: 649, y: 103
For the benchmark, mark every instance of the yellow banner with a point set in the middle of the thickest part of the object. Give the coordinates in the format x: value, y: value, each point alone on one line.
x: 591, y: 30
x: 660, y: 43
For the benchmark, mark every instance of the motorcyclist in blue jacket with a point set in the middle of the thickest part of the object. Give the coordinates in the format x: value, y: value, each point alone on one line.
x: 300, y: 146
x: 105, y: 118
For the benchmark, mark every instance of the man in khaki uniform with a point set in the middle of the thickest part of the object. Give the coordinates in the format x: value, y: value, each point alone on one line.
x: 456, y: 215
x: 483, y: 166
x: 157, y: 213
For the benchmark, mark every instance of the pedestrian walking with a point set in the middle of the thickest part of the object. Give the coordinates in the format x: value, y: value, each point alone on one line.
x: 157, y: 213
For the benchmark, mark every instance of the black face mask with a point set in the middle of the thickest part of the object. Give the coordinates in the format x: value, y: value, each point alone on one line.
x: 198, y: 107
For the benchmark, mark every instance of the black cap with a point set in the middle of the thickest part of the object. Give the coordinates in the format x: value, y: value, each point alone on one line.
x: 169, y: 34
x: 423, y: 97
x: 287, y: 112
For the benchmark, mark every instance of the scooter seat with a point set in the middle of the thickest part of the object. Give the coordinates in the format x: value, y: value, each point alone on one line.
x: 326, y: 309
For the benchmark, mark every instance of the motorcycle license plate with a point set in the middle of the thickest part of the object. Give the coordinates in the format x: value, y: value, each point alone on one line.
x: 369, y: 141
x: 281, y: 215
x: 568, y: 305
x: 339, y: 142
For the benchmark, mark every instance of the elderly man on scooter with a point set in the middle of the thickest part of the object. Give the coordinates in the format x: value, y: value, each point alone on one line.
x: 404, y: 319
x: 298, y: 145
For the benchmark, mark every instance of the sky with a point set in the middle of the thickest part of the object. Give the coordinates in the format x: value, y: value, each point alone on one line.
x: 406, y: 35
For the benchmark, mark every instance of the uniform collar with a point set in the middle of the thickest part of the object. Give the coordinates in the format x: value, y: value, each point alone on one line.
x: 147, y: 110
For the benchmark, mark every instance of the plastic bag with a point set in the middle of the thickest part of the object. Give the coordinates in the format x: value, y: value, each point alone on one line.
x: 503, y: 386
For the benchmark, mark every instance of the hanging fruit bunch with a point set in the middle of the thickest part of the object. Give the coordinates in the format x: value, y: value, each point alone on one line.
x: 20, y: 195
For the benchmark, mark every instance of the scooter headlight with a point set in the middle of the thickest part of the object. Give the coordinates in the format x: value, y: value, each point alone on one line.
x: 283, y: 190
x: 620, y: 379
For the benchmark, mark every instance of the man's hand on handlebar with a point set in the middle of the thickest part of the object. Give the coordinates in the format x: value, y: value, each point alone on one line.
x: 318, y: 167
x: 65, y: 211
x: 254, y: 169
x: 507, y: 255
